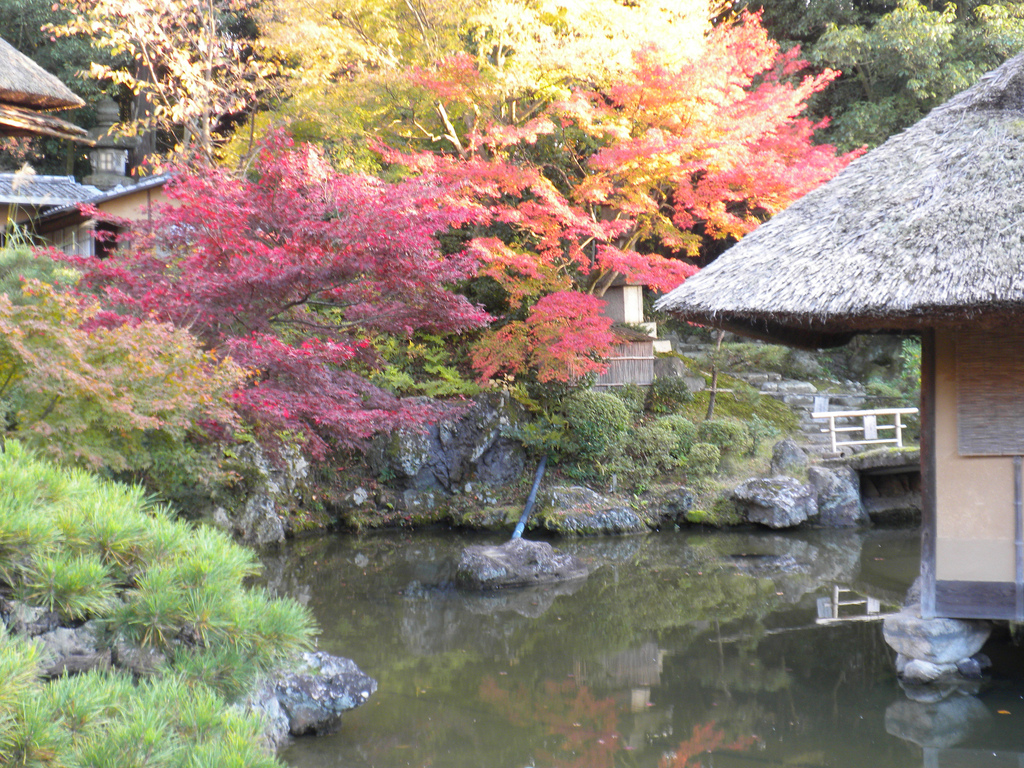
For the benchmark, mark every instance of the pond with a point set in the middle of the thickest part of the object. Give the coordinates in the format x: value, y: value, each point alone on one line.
x: 680, y: 649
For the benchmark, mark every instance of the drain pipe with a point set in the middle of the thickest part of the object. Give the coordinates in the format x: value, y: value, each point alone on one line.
x: 521, y: 525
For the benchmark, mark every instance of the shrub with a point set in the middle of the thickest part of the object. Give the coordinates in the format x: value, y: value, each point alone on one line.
x: 703, y: 459
x: 731, y: 436
x: 648, y: 451
x: 633, y: 396
x: 597, y: 425
x: 685, y: 433
x: 667, y: 394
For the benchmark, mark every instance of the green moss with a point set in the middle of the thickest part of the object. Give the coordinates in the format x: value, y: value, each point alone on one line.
x: 723, y: 514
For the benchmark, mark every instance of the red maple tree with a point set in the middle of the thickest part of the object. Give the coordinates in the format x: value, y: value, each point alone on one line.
x: 291, y: 272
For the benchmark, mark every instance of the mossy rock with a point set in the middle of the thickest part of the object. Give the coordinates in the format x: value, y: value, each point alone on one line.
x: 724, y: 513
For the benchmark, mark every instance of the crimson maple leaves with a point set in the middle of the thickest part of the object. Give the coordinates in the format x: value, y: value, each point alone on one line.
x: 291, y: 273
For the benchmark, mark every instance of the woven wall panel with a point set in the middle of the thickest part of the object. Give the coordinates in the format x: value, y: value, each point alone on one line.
x: 990, y: 392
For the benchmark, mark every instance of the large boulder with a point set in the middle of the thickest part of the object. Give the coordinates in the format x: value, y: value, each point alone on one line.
x: 314, y: 698
x: 470, y: 447
x: 777, y: 502
x: 838, y: 497
x: 517, y: 563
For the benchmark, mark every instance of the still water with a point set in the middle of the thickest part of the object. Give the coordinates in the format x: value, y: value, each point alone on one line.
x: 680, y: 649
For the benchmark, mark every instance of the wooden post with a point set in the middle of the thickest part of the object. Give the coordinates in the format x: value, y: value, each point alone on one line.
x: 928, y: 501
x: 1018, y: 535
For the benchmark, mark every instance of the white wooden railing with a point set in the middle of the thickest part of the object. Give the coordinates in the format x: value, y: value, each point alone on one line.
x: 868, y: 426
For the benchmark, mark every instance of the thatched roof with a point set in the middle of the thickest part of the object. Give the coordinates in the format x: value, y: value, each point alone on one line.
x: 927, y: 229
x: 23, y: 83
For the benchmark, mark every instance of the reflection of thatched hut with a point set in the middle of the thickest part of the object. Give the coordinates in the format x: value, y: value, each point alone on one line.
x: 924, y: 234
x: 27, y: 93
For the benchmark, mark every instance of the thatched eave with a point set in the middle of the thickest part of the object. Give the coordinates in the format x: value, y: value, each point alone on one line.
x: 23, y: 83
x: 15, y: 121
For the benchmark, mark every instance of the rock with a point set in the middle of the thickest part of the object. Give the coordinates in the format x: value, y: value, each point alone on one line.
x: 578, y: 511
x: 26, y: 620
x: 787, y: 456
x: 260, y: 523
x: 793, y: 387
x: 315, y: 698
x: 920, y: 672
x: 518, y: 563
x: 938, y: 641
x: 803, y: 363
x: 73, y: 650
x: 969, y: 668
x: 271, y: 488
x: 777, y: 502
x: 669, y: 367
x: 472, y: 446
x: 141, y: 662
x: 940, y: 724
x: 675, y: 505
x: 276, y: 731
x: 838, y: 497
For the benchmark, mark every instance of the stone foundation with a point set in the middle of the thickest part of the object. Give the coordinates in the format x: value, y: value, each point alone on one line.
x: 934, y: 650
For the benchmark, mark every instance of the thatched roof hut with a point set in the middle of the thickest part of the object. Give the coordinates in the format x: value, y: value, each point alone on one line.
x: 923, y: 234
x: 925, y: 229
x: 26, y: 90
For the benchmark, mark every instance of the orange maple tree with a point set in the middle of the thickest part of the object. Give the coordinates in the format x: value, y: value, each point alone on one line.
x: 628, y: 181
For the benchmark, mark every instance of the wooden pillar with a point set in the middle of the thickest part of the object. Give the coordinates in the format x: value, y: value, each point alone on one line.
x: 928, y: 500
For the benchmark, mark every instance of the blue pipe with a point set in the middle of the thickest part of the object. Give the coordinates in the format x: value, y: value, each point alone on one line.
x: 521, y: 525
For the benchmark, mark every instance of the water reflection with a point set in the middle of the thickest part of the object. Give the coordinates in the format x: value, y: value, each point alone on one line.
x: 676, y: 649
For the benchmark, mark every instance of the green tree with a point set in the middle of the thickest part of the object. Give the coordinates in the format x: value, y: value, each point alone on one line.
x: 898, y: 60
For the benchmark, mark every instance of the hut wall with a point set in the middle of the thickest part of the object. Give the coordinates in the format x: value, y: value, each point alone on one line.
x: 974, y: 494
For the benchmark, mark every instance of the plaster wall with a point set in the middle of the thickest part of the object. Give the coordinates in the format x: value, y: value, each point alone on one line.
x: 974, y: 494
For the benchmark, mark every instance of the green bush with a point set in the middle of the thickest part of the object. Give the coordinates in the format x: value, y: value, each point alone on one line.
x: 633, y: 396
x: 667, y: 394
x: 703, y: 459
x: 648, y: 451
x: 730, y: 435
x: 685, y: 433
x: 597, y: 425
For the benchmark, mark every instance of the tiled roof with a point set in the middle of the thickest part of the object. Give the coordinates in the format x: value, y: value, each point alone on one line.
x: 33, y: 189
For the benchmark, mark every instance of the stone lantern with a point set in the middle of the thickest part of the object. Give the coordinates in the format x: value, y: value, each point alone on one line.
x: 109, y: 155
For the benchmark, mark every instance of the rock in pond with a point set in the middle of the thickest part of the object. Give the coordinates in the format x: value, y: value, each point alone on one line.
x: 939, y: 641
x: 517, y: 563
x: 312, y: 698
x: 777, y: 502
